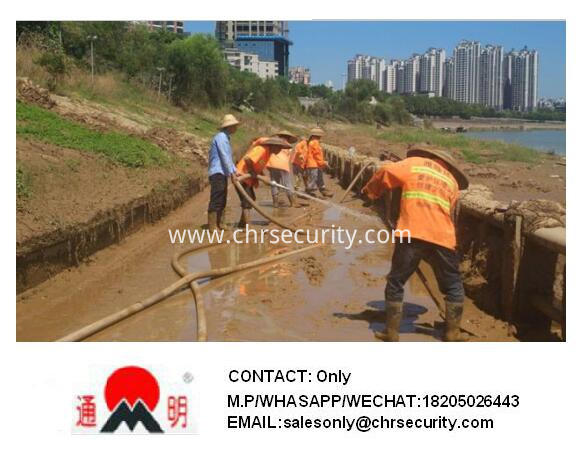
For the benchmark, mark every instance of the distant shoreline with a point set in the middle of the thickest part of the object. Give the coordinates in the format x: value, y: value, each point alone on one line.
x: 491, y: 124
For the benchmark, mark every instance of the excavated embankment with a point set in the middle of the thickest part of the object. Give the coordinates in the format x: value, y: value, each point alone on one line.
x: 43, y: 256
x: 513, y: 255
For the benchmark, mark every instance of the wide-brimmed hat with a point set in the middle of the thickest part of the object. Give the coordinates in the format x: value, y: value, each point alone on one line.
x: 229, y: 120
x: 287, y: 135
x: 274, y: 141
x: 436, y: 153
x: 317, y: 132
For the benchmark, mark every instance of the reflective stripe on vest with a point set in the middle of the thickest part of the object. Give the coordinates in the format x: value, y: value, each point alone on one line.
x: 416, y: 194
x: 433, y: 173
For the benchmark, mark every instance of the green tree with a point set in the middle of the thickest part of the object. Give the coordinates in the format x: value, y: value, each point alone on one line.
x: 200, y: 71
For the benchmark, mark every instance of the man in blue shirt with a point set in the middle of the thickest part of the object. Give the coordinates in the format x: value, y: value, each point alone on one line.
x: 220, y: 168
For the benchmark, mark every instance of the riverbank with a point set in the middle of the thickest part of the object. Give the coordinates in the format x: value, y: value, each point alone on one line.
x: 488, y: 124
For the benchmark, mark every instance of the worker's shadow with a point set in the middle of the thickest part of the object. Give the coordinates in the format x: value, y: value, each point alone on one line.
x: 375, y: 316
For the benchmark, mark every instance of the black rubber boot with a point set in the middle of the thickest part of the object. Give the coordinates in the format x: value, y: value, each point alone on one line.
x: 394, y: 314
x: 221, y: 224
x: 453, y: 315
x: 212, y: 221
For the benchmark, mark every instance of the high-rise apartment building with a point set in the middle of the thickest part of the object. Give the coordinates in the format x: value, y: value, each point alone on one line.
x: 366, y: 67
x: 449, y: 78
x: 522, y: 78
x: 474, y: 74
x: 431, y: 69
x: 466, y: 60
x: 411, y: 75
x: 491, y: 77
x: 390, y: 76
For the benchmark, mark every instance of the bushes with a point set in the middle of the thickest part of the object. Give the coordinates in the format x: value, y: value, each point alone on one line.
x: 56, y: 64
x: 199, y: 71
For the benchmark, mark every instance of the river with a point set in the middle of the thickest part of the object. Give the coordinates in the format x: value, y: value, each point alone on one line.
x: 541, y: 139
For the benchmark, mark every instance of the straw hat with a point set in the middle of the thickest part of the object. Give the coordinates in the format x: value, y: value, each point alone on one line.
x: 229, y: 120
x: 316, y: 132
x: 287, y: 135
x: 274, y: 141
x: 435, y: 153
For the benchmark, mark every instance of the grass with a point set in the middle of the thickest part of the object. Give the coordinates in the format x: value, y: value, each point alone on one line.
x: 23, y: 183
x: 474, y: 150
x: 43, y: 125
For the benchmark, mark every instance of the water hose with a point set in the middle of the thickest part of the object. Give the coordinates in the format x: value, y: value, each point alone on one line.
x: 257, y: 207
x: 110, y: 320
x: 189, y: 279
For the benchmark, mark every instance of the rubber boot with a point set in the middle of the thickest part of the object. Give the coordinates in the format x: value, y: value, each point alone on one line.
x: 326, y: 193
x: 212, y: 221
x: 394, y: 314
x: 453, y: 315
x: 221, y: 223
x: 294, y: 203
x: 244, y: 218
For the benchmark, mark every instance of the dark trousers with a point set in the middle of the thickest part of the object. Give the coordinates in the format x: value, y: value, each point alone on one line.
x: 218, y: 195
x: 406, y: 259
x: 315, y: 179
x: 250, y: 191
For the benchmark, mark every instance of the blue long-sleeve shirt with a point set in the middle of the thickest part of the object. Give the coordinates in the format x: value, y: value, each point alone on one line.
x: 221, y: 159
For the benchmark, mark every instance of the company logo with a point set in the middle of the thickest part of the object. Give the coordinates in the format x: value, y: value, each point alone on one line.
x: 131, y: 403
x: 132, y: 394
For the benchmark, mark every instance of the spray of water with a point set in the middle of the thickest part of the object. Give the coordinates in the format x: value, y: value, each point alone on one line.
x: 340, y: 208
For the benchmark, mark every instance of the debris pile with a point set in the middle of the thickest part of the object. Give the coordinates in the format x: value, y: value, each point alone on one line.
x: 538, y: 214
x: 480, y: 197
x: 27, y: 91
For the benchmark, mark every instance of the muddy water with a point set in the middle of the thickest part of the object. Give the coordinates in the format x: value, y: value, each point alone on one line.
x: 329, y: 294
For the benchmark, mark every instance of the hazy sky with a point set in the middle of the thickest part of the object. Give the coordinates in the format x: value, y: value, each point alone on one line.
x: 325, y: 46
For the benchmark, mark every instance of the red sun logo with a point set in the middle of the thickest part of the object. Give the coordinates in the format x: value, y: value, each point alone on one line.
x: 131, y: 384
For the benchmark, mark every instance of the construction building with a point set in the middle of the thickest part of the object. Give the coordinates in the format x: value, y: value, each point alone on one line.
x: 266, y: 39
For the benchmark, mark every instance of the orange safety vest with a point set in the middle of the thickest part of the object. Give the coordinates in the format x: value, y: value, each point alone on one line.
x: 300, y: 154
x: 259, y: 155
x: 428, y: 198
x: 280, y: 161
x: 315, y: 156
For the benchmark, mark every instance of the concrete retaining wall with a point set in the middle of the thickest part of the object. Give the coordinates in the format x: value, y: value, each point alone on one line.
x: 516, y: 276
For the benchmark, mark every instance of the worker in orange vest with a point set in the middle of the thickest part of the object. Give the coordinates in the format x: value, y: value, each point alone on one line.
x: 279, y: 168
x: 315, y: 164
x: 430, y: 181
x: 298, y: 162
x: 254, y: 162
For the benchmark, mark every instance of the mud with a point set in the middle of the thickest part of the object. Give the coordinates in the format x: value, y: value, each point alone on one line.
x: 273, y: 303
